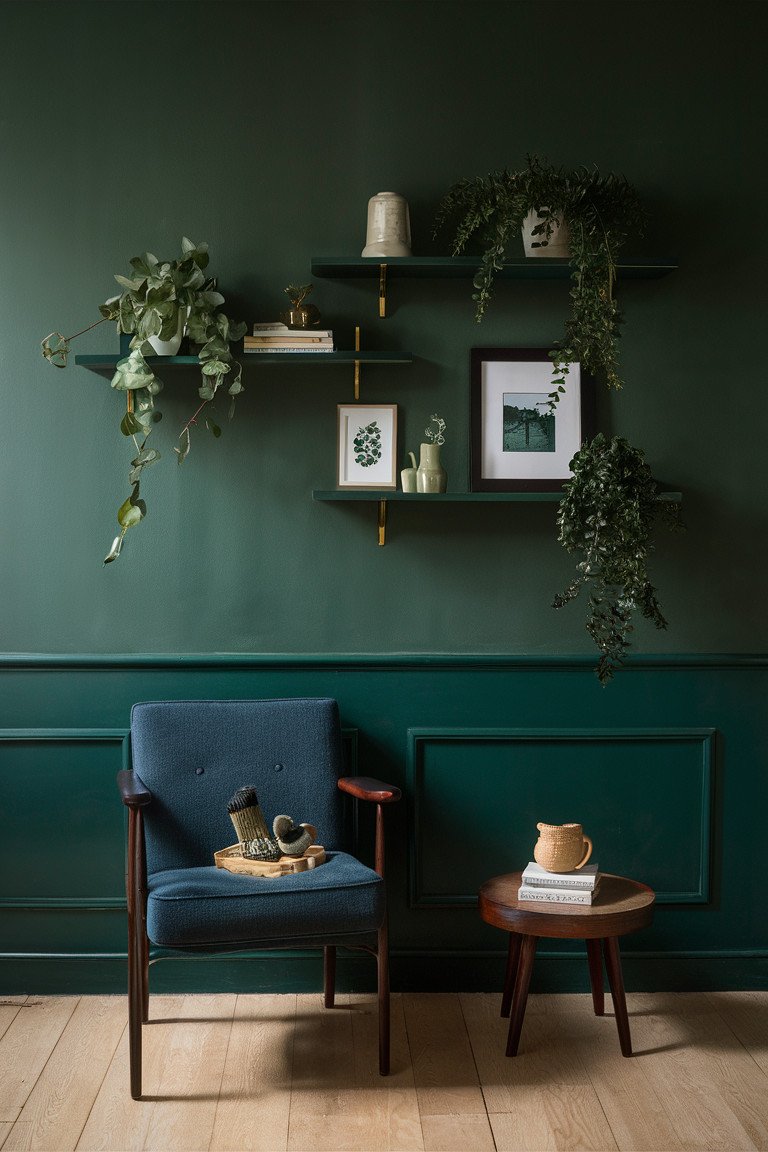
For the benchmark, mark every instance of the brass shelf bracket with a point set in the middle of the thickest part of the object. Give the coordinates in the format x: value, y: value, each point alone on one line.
x: 382, y: 291
x: 382, y: 523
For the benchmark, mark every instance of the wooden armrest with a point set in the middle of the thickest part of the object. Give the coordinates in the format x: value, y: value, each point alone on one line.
x: 132, y: 791
x: 366, y: 788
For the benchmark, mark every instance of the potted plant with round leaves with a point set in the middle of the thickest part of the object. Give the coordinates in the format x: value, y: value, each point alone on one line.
x: 606, y: 517
x: 600, y: 212
x: 160, y: 299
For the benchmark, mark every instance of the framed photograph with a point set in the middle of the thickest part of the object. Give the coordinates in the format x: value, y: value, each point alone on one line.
x: 517, y: 444
x: 367, y: 446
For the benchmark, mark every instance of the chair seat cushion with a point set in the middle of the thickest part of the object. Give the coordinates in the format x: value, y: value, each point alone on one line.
x: 212, y: 907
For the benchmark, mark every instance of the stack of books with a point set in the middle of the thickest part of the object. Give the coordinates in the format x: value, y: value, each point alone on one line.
x: 560, y: 887
x: 280, y: 338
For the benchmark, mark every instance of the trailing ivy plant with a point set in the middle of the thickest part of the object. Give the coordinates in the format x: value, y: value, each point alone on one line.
x: 601, y: 212
x: 606, y: 517
x: 158, y: 297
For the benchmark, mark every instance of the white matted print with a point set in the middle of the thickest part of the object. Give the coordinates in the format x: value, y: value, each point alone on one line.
x: 367, y: 446
x: 518, y: 443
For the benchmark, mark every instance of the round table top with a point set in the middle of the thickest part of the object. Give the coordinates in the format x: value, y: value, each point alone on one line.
x: 621, y: 906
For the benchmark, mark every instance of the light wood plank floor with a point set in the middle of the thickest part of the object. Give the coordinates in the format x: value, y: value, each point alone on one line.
x: 282, y: 1074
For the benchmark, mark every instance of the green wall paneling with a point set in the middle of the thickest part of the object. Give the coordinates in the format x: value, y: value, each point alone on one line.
x: 468, y: 825
x: 666, y: 765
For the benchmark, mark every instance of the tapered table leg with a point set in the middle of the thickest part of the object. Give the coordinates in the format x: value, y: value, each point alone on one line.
x: 616, y: 981
x: 595, y: 957
x: 520, y: 996
x: 329, y: 975
x: 513, y: 956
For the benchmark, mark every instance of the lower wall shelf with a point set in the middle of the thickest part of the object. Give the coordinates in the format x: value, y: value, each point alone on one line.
x: 383, y: 496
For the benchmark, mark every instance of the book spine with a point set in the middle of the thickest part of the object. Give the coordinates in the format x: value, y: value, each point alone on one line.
x: 288, y: 349
x: 585, y: 885
x: 283, y: 330
x: 554, y: 895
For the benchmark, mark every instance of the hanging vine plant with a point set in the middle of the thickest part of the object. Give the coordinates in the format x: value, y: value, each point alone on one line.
x: 606, y: 517
x: 600, y: 211
x: 159, y: 300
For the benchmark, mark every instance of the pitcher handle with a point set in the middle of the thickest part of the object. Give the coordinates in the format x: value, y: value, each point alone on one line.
x: 587, y: 854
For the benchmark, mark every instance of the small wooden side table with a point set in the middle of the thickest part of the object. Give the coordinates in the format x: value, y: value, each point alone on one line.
x: 621, y: 906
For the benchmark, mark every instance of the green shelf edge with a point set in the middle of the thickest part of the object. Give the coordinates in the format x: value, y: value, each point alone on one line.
x: 96, y: 363
x: 438, y: 267
x: 375, y: 495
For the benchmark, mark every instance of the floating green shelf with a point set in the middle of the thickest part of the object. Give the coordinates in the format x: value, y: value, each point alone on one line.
x: 101, y: 363
x: 438, y: 267
x: 383, y: 496
x: 105, y: 365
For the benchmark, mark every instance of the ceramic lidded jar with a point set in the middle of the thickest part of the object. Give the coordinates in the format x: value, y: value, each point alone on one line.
x: 389, y: 226
x: 562, y: 847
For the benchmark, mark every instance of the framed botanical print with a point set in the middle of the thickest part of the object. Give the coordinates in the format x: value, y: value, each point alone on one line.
x: 366, y: 446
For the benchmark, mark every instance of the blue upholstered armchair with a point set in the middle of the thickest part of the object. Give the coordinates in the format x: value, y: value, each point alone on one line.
x: 189, y: 758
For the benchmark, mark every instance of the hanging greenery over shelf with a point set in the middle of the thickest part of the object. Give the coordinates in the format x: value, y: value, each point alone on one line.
x: 606, y: 517
x: 600, y: 212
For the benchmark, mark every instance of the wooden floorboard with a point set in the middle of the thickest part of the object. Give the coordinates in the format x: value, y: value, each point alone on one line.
x: 226, y: 1073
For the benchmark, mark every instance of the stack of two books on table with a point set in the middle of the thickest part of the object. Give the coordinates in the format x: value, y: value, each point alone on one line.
x: 560, y: 887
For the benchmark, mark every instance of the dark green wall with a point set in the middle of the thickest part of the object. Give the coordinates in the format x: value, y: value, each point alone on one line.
x: 263, y: 128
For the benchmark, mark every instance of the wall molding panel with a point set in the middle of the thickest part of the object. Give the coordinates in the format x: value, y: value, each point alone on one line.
x: 667, y: 768
x: 689, y: 753
x: 41, y: 799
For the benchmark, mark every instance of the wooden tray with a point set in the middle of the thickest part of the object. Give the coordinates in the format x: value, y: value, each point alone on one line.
x: 233, y: 861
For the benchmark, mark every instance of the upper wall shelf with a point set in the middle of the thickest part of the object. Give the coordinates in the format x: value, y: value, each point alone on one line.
x: 440, y: 267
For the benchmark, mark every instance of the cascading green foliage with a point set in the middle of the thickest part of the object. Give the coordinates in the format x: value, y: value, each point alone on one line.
x: 367, y: 445
x: 606, y: 517
x: 601, y: 212
x: 157, y: 297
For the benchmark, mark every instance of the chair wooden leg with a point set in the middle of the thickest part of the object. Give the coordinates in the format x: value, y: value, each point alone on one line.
x: 144, y: 977
x: 595, y: 957
x: 513, y: 955
x: 383, y: 990
x: 329, y: 975
x: 135, y: 959
x: 520, y: 997
x: 616, y: 981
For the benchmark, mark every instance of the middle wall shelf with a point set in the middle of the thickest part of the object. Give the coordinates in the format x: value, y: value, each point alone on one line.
x: 104, y: 365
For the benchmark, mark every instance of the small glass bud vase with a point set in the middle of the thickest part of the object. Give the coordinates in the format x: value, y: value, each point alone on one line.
x: 430, y: 475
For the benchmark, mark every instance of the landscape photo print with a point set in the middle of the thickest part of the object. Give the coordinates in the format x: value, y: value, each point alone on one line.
x: 519, y: 440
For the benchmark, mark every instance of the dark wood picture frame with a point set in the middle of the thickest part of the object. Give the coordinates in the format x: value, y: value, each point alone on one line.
x: 574, y: 419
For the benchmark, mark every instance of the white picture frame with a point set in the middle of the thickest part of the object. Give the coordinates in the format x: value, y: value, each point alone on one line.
x: 366, y: 446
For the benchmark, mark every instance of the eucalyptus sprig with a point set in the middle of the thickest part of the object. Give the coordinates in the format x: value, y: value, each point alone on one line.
x: 435, y: 435
x: 601, y: 212
x: 606, y: 517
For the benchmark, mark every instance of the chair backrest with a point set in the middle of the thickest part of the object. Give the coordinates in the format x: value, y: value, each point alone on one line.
x: 194, y: 754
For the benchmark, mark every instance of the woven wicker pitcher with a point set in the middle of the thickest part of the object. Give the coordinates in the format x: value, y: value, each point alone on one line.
x: 561, y: 847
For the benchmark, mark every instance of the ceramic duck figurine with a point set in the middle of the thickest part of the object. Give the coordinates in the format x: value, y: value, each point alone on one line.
x: 293, y: 839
